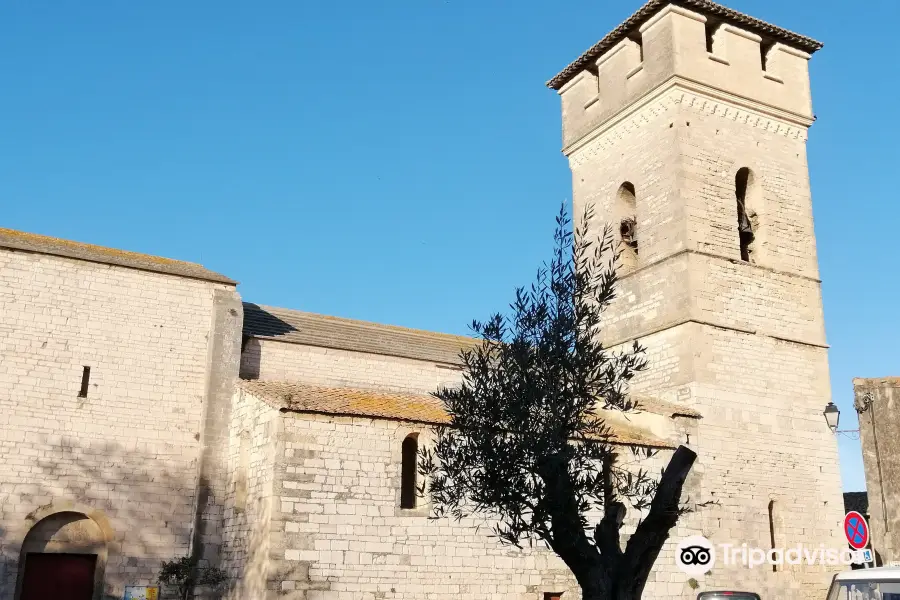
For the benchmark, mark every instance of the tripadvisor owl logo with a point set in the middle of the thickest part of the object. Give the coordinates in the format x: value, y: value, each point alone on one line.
x: 695, y: 555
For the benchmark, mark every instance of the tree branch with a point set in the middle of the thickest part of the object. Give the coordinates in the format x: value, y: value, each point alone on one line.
x: 648, y: 539
x: 569, y: 541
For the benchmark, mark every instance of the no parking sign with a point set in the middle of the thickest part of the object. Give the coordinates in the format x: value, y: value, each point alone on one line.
x: 857, y: 530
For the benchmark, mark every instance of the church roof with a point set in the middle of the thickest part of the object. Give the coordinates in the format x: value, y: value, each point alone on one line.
x: 664, y: 408
x: 297, y: 327
x: 400, y: 406
x: 42, y: 244
x: 303, y: 397
x: 708, y: 7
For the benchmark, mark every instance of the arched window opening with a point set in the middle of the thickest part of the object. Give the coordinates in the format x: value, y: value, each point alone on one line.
x: 408, y: 471
x: 626, y: 211
x: 742, y: 183
x: 772, y: 529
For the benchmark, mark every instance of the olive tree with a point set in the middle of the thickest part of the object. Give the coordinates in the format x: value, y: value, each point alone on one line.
x: 526, y: 446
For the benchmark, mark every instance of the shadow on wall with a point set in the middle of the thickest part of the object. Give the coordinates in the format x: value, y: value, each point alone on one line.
x: 258, y: 322
x: 132, y: 506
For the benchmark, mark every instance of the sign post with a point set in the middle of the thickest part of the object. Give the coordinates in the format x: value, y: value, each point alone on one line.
x: 857, y: 532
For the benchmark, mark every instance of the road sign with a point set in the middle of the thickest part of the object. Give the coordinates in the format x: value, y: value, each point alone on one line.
x: 857, y: 530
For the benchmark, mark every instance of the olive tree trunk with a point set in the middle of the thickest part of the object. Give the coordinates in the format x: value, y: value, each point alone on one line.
x: 603, y: 570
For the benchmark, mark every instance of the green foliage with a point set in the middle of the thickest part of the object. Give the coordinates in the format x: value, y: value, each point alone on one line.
x: 526, y: 407
x: 185, y: 573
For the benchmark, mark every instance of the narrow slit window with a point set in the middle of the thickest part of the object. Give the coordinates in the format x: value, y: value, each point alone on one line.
x: 553, y: 595
x: 745, y: 227
x: 410, y: 454
x: 85, y: 382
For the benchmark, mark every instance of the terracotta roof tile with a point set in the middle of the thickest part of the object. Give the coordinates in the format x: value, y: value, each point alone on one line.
x: 302, y: 397
x: 41, y: 244
x: 707, y: 7
x: 297, y: 327
x: 418, y: 408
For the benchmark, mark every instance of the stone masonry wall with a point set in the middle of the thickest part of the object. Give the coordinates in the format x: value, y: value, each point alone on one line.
x: 878, y: 403
x: 248, y: 504
x: 715, y: 140
x: 129, y: 449
x: 280, y: 361
x: 763, y: 440
x: 757, y: 443
x: 742, y: 343
x: 347, y: 539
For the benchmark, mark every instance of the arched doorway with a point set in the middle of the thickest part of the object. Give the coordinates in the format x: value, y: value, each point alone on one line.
x: 63, y: 557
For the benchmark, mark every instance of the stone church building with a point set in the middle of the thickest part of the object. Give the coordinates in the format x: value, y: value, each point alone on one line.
x: 146, y: 412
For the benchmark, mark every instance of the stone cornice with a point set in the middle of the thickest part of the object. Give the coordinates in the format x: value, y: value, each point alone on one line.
x: 717, y: 325
x: 691, y: 251
x: 679, y: 91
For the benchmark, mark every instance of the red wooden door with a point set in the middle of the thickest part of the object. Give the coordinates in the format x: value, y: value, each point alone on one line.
x: 59, y: 576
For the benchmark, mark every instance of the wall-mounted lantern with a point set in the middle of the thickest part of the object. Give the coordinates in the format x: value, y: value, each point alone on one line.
x: 832, y: 416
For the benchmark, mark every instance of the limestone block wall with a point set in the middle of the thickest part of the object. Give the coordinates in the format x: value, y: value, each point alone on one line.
x: 685, y: 187
x: 248, y: 504
x: 673, y: 45
x: 704, y: 288
x: 716, y: 138
x: 876, y: 401
x: 762, y: 439
x: 129, y: 449
x: 345, y: 537
x: 280, y: 361
x: 619, y: 155
x: 743, y: 343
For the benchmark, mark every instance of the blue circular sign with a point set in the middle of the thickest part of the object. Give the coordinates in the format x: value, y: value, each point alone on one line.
x: 857, y: 530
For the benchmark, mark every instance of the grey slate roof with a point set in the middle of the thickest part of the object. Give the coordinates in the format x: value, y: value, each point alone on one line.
x: 42, y: 244
x: 297, y: 327
x: 706, y: 7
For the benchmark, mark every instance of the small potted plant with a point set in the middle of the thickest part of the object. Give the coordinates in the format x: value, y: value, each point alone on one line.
x: 185, y: 573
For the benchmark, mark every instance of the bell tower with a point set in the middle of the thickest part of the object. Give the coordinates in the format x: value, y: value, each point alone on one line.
x: 686, y: 130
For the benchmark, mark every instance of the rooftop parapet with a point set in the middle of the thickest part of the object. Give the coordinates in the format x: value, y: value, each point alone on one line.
x: 21, y: 241
x: 696, y: 42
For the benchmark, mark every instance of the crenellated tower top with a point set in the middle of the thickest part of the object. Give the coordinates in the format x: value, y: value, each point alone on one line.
x: 694, y: 43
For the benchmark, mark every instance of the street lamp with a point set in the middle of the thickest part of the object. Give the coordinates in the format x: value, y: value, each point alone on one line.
x: 832, y: 416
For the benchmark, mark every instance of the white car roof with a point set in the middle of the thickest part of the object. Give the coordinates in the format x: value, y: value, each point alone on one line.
x: 880, y: 573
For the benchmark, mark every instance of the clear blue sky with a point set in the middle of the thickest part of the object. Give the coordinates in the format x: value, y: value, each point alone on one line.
x: 394, y: 161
